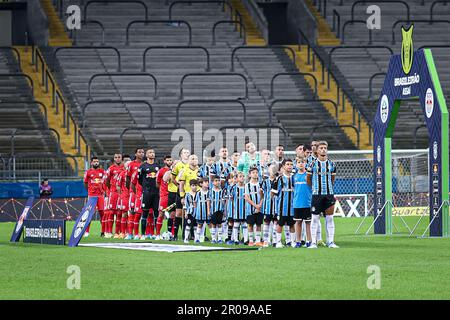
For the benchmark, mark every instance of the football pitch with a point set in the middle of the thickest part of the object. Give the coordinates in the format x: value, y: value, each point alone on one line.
x: 410, y: 268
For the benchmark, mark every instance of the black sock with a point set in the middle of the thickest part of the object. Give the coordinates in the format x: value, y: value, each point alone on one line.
x: 144, y: 221
x: 169, y: 225
x: 230, y: 232
x: 178, y: 221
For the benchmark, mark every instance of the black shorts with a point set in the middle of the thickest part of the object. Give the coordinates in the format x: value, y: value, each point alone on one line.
x: 150, y: 201
x: 320, y: 203
x: 190, y: 220
x: 302, y: 214
x: 208, y: 221
x: 171, y: 199
x: 256, y: 218
x: 179, y: 205
x: 216, y: 217
x: 283, y: 220
x: 236, y: 220
x: 269, y: 217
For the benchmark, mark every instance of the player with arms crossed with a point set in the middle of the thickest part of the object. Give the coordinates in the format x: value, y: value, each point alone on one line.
x: 93, y: 182
x: 321, y: 175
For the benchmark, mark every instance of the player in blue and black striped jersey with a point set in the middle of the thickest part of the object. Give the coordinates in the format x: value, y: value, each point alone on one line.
x: 223, y: 167
x: 202, y: 207
x: 321, y: 175
x: 217, y: 196
x: 268, y: 206
x: 189, y: 202
x: 229, y: 206
x: 238, y: 197
x: 284, y: 189
x: 254, y: 198
x: 205, y: 170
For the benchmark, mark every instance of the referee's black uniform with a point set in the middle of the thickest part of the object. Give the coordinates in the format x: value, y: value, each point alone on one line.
x: 150, y: 192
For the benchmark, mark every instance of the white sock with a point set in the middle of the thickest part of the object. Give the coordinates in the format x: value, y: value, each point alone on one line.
x: 197, y: 233
x: 236, y: 232
x: 213, y: 233
x: 266, y: 233
x: 186, y: 232
x: 314, y: 225
x: 303, y: 237
x: 278, y: 237
x: 287, y: 234
x: 220, y: 233
x: 329, y: 220
x: 274, y: 233
x: 271, y: 232
x: 293, y: 237
x: 224, y: 229
x: 245, y: 231
x: 258, y: 236
x: 250, y: 236
x: 202, y: 233
x: 319, y: 229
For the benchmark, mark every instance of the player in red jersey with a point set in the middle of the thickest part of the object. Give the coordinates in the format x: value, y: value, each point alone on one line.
x: 112, y: 181
x: 94, y: 184
x: 162, y: 182
x: 132, y: 171
x: 124, y: 195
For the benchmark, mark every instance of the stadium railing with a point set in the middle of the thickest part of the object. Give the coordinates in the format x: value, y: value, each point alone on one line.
x: 338, y: 48
x: 211, y: 101
x: 113, y: 2
x: 119, y: 58
x: 336, y: 19
x: 280, y: 74
x: 433, y: 4
x: 416, y: 130
x: 19, y: 75
x: 380, y: 1
x: 285, y: 133
x: 336, y: 109
x: 223, y: 3
x: 109, y: 101
x: 352, y: 22
x: 123, y: 74
x: 73, y: 33
x: 144, y: 55
x: 44, y: 108
x: 371, y: 81
x: 177, y: 22
x: 19, y: 60
x: 357, y: 112
x: 311, y: 137
x: 394, y: 25
x: 13, y: 134
x: 213, y: 74
x: 242, y: 32
x: 233, y: 52
x: 434, y: 45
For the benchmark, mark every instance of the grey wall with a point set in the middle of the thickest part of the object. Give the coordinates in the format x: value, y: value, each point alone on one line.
x: 5, y: 28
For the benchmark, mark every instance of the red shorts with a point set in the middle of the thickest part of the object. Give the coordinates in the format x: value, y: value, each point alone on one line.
x: 113, y: 200
x: 163, y: 202
x: 100, y: 203
x: 138, y: 204
x: 124, y: 202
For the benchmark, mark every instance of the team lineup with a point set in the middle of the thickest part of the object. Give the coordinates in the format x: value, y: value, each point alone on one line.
x: 251, y: 194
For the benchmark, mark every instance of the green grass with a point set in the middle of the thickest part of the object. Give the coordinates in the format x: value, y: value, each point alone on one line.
x: 411, y: 268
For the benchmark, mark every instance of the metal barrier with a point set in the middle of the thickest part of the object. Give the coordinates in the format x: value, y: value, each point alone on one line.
x: 119, y: 59
x: 230, y: 7
x: 434, y: 4
x: 213, y: 101
x: 380, y: 1
x: 213, y: 74
x: 178, y: 22
x: 102, y: 27
x: 104, y: 101
x: 364, y: 22
x: 19, y: 75
x: 434, y: 46
x: 415, y: 133
x: 336, y: 18
x: 144, y: 64
x: 302, y: 100
x: 13, y: 133
x: 415, y: 21
x: 115, y: 1
x: 285, y: 133
x: 371, y: 81
x: 311, y: 137
x: 233, y: 53
x: 19, y: 60
x: 138, y: 128
x: 30, y: 102
x: 242, y: 27
x: 292, y: 74
x: 125, y: 74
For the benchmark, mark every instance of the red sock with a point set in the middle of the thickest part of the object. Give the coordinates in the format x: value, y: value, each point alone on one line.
x: 137, y: 220
x: 118, y: 221
x: 173, y: 226
x: 88, y: 228
x: 130, y: 223
x: 159, y: 224
x: 102, y: 220
x: 124, y: 223
x: 150, y: 229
